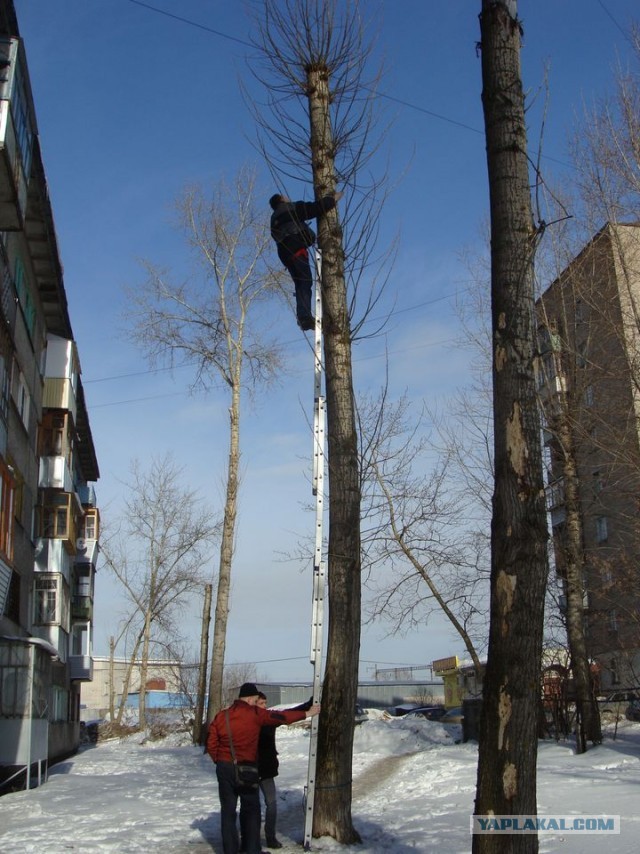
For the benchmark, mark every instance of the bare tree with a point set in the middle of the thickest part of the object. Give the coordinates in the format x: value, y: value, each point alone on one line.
x: 159, y: 555
x: 213, y: 321
x: 561, y: 395
x: 416, y: 551
x: 508, y: 730
x: 317, y: 121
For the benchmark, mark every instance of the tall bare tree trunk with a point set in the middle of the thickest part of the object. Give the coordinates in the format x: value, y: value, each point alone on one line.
x: 112, y: 687
x: 144, y: 669
x: 227, y: 545
x: 202, y: 666
x: 332, y: 812
x: 588, y: 715
x: 508, y: 733
x: 127, y: 678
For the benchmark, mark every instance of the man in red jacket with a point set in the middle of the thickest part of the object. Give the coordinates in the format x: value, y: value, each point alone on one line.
x: 246, y: 719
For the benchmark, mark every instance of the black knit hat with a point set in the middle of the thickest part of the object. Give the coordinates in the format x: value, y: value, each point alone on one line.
x: 275, y: 200
x: 248, y: 690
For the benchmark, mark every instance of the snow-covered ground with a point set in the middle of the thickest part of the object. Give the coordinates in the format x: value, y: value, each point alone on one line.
x: 414, y: 788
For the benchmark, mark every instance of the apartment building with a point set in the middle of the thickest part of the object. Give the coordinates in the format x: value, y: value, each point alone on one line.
x: 49, y: 521
x: 589, y: 385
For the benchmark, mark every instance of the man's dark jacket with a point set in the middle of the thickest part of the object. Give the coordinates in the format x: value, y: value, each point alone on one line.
x: 268, y: 762
x: 288, y: 227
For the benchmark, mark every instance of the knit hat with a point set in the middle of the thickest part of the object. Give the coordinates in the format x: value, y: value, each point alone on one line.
x: 248, y: 690
x: 275, y: 200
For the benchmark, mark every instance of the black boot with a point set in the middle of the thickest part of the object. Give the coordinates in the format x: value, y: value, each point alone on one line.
x: 273, y: 843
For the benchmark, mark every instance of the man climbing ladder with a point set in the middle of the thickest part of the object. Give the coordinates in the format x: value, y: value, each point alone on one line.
x: 293, y: 238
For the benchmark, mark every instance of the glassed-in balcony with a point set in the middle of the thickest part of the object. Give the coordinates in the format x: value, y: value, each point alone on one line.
x: 80, y: 659
x: 17, y: 132
x: 81, y: 608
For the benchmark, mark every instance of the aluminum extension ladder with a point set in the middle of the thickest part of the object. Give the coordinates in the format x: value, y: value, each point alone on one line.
x: 317, y: 627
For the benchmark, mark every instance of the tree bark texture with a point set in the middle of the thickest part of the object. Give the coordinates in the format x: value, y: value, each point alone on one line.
x: 227, y: 544
x: 588, y: 714
x: 508, y: 734
x: 199, y: 731
x: 332, y: 808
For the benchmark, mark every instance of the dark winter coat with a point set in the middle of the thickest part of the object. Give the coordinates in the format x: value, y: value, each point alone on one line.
x: 268, y: 762
x: 288, y: 225
x: 246, y: 722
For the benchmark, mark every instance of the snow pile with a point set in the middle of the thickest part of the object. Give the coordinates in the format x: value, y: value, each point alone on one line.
x: 413, y: 791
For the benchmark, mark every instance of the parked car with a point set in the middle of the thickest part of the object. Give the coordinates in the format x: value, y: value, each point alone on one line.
x: 633, y: 711
x: 452, y: 716
x: 361, y: 714
x: 431, y: 713
x: 406, y: 708
x: 616, y: 703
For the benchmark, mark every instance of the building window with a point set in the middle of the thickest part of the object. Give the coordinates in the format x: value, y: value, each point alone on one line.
x: 598, y: 482
x: 22, y: 399
x: 588, y: 396
x: 14, y: 691
x: 7, y: 495
x: 602, y: 532
x: 80, y: 639
x: 25, y: 299
x: 47, y: 596
x: 52, y: 435
x: 5, y: 387
x: 22, y: 118
x: 581, y: 358
x: 59, y: 704
x: 90, y: 527
x: 615, y: 674
x: 56, y: 520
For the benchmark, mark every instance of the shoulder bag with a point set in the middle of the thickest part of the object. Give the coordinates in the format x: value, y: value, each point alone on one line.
x: 246, y: 774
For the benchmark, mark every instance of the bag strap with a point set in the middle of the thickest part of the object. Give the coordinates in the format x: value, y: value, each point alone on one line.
x: 233, y: 753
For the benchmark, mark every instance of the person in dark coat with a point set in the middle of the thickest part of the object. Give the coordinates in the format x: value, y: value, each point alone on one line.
x: 268, y: 765
x: 246, y: 720
x: 293, y: 236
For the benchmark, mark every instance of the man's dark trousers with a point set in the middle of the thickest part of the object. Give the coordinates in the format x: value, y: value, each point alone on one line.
x: 249, y: 812
x: 298, y: 267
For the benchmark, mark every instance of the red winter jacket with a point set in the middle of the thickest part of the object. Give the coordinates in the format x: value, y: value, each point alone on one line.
x: 245, y: 722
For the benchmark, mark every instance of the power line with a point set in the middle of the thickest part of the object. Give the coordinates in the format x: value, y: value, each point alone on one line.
x: 191, y: 23
x: 378, y: 94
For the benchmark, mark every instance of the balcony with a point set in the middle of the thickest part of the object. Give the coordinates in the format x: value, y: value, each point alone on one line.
x: 17, y: 132
x: 54, y: 473
x: 86, y: 551
x: 81, y: 608
x: 57, y: 519
x: 81, y: 668
x: 555, y: 494
x: 59, y: 393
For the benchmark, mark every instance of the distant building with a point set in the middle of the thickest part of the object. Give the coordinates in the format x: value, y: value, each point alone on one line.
x: 49, y: 521
x: 371, y: 694
x: 166, y: 679
x: 589, y: 369
x: 461, y: 682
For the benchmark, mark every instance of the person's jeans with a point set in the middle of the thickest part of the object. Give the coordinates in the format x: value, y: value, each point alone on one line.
x: 249, y: 812
x: 268, y: 789
x: 298, y: 267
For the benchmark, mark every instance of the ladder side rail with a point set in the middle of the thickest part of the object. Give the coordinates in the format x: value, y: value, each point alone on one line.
x: 317, y: 621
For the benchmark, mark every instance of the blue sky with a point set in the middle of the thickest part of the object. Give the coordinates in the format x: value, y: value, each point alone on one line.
x: 132, y: 105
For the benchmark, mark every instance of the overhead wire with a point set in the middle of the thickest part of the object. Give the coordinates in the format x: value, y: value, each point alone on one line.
x: 403, y: 102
